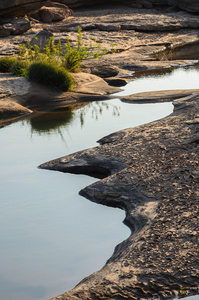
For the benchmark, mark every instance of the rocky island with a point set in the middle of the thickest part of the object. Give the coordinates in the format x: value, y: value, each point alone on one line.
x: 150, y: 171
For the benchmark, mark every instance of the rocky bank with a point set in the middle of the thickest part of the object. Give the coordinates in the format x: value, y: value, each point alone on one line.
x: 150, y: 171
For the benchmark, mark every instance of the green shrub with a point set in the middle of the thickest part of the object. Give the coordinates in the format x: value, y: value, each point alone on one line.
x: 19, y: 68
x: 70, y: 56
x: 72, y: 61
x: 6, y: 63
x: 51, y: 75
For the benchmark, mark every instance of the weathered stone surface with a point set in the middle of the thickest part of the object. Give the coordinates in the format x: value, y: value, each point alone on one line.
x: 152, y: 169
x: 54, y: 12
x: 4, y: 31
x: 153, y: 174
x: 157, y: 96
x: 41, y: 39
x: 14, y: 8
x: 9, y: 108
x: 87, y: 87
x: 188, y: 5
x: 14, y: 26
x: 19, y: 8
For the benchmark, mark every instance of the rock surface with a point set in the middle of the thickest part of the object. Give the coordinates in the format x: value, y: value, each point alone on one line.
x: 33, y: 96
x: 188, y: 5
x: 53, y: 11
x: 157, y: 96
x: 19, y: 8
x: 153, y: 175
x: 14, y: 26
x: 10, y: 108
x: 152, y: 169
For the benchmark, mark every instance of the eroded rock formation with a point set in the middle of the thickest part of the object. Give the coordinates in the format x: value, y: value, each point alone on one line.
x: 19, y: 8
x: 153, y: 174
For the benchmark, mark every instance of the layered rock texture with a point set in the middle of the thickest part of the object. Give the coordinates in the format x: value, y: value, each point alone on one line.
x: 19, y: 8
x: 188, y: 5
x: 152, y: 173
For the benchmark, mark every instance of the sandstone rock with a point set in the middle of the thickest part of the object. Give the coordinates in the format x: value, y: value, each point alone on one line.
x: 103, y: 70
x: 159, y: 193
x: 158, y: 96
x: 108, y: 27
x: 89, y: 83
x: 188, y: 5
x: 54, y: 12
x: 9, y: 108
x: 14, y: 26
x: 19, y: 90
x: 19, y: 8
x: 13, y: 8
x: 41, y: 39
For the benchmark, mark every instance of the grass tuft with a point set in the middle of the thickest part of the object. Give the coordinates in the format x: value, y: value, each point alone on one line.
x: 51, y: 75
x: 6, y: 63
x: 19, y: 69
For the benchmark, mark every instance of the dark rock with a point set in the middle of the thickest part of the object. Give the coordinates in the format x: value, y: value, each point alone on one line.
x: 19, y: 8
x: 4, y: 31
x: 147, y: 4
x: 104, y: 70
x: 54, y: 12
x: 14, y: 26
x: 108, y: 27
x: 188, y: 5
x: 41, y: 39
x: 114, y: 81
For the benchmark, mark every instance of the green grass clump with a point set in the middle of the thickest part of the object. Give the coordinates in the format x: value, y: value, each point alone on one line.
x: 19, y: 69
x: 51, y: 75
x: 6, y: 63
x: 51, y: 66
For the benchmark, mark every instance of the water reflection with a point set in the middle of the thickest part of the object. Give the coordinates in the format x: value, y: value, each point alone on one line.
x: 166, y: 79
x: 51, y: 121
x: 57, y: 121
x: 97, y: 109
x: 49, y: 236
x: 187, y: 51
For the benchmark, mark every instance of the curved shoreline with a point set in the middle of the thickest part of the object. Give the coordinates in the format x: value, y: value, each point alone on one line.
x: 152, y: 169
x: 149, y: 178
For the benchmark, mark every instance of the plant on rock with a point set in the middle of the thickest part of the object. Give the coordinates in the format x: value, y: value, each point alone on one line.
x: 51, y: 66
x: 51, y: 75
x: 6, y: 63
x: 19, y: 68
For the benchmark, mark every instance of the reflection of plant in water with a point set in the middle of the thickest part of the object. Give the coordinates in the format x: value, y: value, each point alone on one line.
x: 97, y: 108
x: 59, y: 121
x: 46, y: 123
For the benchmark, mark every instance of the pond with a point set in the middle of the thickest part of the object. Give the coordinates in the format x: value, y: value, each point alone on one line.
x: 50, y: 237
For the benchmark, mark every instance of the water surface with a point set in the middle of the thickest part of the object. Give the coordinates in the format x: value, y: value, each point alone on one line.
x: 50, y: 237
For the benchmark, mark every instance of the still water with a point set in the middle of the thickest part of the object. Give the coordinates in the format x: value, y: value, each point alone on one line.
x: 50, y: 237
